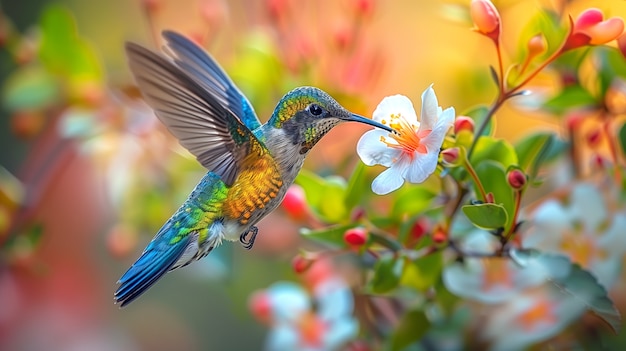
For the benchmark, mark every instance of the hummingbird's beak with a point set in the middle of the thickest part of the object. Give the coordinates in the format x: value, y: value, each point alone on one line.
x: 356, y: 118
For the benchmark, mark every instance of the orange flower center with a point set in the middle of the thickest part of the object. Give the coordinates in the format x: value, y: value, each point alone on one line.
x: 496, y: 273
x: 582, y: 249
x: 408, y: 138
x: 541, y: 312
x: 312, y: 330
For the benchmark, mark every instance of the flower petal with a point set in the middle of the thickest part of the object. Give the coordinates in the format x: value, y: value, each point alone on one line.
x: 396, y: 104
x: 430, y: 109
x: 438, y: 132
x: 422, y: 167
x: 587, y: 205
x: 388, y: 181
x: 372, y: 151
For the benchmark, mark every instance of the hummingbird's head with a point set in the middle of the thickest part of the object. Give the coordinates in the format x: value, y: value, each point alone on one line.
x: 306, y: 114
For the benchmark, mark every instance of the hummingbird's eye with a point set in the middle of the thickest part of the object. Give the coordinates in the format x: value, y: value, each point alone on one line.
x: 315, y: 109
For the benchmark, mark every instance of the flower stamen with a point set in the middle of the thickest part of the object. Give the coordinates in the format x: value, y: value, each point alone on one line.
x: 408, y: 138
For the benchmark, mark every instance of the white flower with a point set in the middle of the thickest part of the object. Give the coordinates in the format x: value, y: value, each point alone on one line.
x: 320, y: 322
x: 489, y: 280
x: 412, y: 153
x: 585, y: 229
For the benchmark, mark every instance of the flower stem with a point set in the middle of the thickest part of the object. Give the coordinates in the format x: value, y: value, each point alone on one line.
x: 474, y: 175
x: 505, y: 94
x: 518, y: 202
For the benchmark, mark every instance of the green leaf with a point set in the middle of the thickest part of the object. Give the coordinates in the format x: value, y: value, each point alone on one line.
x: 387, y: 274
x: 62, y: 51
x: 478, y: 114
x: 580, y: 284
x: 424, y: 272
x: 611, y: 66
x: 312, y: 184
x: 488, y: 148
x: 548, y: 24
x: 486, y: 216
x: 493, y: 177
x: 532, y: 151
x: 332, y: 208
x: 332, y: 236
x: 326, y: 196
x: 572, y: 96
x: 412, y: 327
x: 29, y: 87
x: 357, y: 184
x: 414, y: 200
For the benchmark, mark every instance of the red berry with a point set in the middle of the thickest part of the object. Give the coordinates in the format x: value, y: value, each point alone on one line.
x: 355, y: 236
x: 295, y: 203
x: 301, y: 264
x: 261, y: 306
x: 439, y: 236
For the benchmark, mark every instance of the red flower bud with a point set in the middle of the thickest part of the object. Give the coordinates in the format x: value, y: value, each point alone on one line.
x: 440, y: 236
x: 301, y: 264
x: 463, y: 123
x: 486, y: 18
x: 489, y: 198
x: 356, y: 236
x: 516, y: 179
x: 450, y: 155
x: 363, y: 7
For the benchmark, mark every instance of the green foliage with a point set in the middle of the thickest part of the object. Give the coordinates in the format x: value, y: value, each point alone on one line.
x: 610, y: 65
x: 326, y: 196
x: 423, y: 273
x: 533, y: 150
x: 573, y: 280
x: 387, y: 274
x: 486, y: 216
x: 62, y: 51
x: 331, y: 236
x: 493, y: 177
x: 571, y: 97
x: 31, y: 87
x: 498, y: 150
x: 413, y: 325
x: 412, y: 201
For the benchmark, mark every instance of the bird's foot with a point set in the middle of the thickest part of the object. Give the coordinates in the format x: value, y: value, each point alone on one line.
x: 248, y: 242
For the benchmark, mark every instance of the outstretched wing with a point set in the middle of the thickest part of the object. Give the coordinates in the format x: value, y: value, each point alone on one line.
x: 202, y: 67
x: 197, y: 117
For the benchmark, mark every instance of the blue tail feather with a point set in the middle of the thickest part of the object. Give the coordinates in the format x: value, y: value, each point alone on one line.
x: 154, y: 262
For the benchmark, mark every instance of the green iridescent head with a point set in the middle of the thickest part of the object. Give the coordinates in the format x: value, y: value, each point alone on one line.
x: 306, y: 114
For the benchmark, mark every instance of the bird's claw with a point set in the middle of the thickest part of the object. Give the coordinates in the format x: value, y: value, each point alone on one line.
x: 248, y: 242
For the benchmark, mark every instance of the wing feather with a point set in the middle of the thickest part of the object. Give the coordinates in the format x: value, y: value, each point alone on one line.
x: 200, y: 65
x: 198, y: 117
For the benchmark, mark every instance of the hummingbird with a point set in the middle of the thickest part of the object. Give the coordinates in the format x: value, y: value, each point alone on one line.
x: 250, y: 165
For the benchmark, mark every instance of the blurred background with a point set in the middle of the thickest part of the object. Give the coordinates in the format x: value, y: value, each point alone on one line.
x: 88, y: 174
